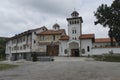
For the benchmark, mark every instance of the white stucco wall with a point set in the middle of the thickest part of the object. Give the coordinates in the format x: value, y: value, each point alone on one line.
x: 34, y: 38
x: 41, y: 48
x: 84, y: 44
x: 99, y: 51
x: 30, y: 46
x: 77, y: 27
x: 62, y: 47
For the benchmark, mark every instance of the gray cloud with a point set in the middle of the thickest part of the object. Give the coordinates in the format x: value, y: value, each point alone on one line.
x: 19, y: 15
x: 46, y: 6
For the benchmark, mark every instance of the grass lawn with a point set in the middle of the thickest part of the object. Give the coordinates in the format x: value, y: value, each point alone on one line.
x: 107, y: 57
x: 7, y: 66
x: 2, y: 59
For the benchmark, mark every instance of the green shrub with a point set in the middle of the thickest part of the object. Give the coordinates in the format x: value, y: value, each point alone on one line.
x: 97, y: 57
x: 7, y: 66
x: 34, y: 57
x: 107, y: 57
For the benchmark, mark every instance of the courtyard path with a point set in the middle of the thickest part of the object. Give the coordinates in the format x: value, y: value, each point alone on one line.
x: 63, y: 70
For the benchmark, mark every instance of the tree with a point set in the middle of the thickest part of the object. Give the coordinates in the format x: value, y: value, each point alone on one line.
x: 2, y: 47
x: 115, y: 7
x: 109, y: 16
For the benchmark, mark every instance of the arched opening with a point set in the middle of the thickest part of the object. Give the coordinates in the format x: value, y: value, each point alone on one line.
x: 88, y: 48
x: 74, y: 49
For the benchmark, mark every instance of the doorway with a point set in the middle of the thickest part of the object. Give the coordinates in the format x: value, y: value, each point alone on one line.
x: 75, y: 52
x: 52, y: 50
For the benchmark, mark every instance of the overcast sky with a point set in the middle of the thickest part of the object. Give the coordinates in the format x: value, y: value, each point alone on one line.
x: 17, y: 16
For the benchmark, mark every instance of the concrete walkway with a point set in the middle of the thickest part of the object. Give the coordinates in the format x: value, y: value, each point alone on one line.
x: 63, y: 69
x: 73, y: 59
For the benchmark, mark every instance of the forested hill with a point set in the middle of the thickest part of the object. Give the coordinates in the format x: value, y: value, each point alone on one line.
x: 2, y: 46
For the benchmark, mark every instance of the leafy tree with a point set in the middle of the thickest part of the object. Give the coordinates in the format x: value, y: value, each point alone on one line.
x: 2, y: 47
x: 109, y: 16
x: 115, y: 7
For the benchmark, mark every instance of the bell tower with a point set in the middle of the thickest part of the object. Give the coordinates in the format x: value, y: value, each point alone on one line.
x: 56, y: 27
x: 74, y: 26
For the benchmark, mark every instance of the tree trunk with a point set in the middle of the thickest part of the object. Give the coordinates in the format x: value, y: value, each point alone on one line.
x: 111, y: 39
x: 111, y: 36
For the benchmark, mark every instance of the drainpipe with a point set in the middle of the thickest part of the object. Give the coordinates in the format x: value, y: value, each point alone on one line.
x: 16, y: 45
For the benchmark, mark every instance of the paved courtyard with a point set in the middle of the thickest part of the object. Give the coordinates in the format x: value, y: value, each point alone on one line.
x: 61, y: 69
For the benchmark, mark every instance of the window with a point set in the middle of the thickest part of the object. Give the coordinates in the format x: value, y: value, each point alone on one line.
x: 23, y: 38
x: 75, y: 38
x: 35, y: 33
x: 65, y: 51
x: 18, y: 40
x: 43, y: 29
x: 88, y: 48
x: 53, y: 37
x: 17, y: 48
x: 24, y: 46
x: 27, y: 46
x: 70, y: 22
x: 75, y: 31
x: 34, y: 41
x: 41, y: 37
x: 20, y: 47
x: 77, y: 21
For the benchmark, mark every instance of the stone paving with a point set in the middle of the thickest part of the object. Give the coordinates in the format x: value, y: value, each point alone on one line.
x: 62, y: 69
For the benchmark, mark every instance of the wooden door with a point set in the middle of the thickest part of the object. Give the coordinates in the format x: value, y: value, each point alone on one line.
x: 74, y: 52
x: 52, y: 50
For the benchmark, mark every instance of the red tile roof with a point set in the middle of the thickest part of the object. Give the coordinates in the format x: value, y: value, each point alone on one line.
x: 51, y: 32
x: 87, y: 36
x: 100, y: 40
x: 65, y: 37
x: 27, y: 32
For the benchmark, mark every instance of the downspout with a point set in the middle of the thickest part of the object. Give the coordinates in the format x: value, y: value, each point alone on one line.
x: 80, y: 51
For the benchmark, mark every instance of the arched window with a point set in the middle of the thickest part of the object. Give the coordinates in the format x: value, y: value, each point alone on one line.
x: 65, y: 51
x: 88, y: 48
x: 34, y: 41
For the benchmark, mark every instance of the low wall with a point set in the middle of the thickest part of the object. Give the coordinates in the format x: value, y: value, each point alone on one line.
x: 99, y: 51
